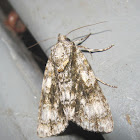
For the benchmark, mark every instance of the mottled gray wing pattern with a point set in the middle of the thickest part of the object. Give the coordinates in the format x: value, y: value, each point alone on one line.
x: 51, y: 117
x: 92, y: 111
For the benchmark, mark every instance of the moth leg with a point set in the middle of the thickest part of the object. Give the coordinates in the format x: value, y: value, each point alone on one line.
x: 95, y: 50
x: 81, y: 40
x: 105, y: 83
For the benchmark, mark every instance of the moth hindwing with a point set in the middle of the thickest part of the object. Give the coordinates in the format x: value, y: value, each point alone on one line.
x: 70, y: 92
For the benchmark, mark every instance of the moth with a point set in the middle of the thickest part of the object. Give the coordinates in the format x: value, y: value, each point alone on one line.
x: 70, y: 91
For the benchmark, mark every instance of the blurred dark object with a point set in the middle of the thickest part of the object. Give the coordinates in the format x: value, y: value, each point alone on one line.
x: 14, y: 23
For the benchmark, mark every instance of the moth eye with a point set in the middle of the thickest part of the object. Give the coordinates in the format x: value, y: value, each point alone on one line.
x: 67, y: 39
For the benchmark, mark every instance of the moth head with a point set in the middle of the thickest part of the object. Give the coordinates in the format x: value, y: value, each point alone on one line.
x: 62, y: 38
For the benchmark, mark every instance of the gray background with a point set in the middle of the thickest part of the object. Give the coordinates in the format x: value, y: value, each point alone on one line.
x: 118, y: 66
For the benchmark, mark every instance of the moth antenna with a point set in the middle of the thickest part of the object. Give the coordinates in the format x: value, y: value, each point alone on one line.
x: 85, y: 26
x: 40, y: 42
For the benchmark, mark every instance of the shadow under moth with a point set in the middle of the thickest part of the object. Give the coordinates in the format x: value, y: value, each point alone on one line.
x: 70, y: 91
